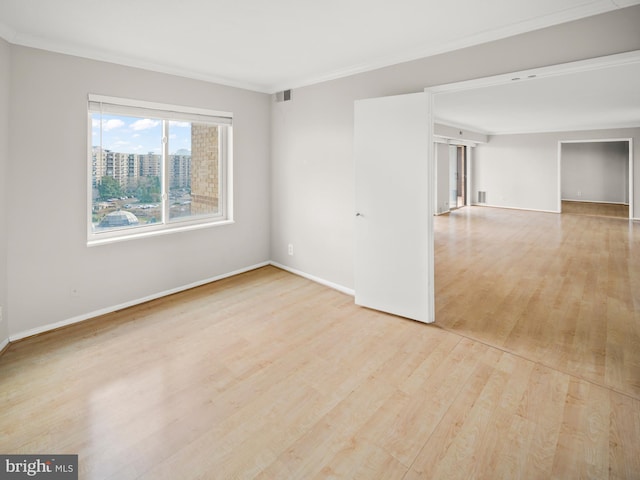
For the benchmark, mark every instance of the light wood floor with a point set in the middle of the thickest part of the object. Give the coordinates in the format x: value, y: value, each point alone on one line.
x: 268, y: 375
x: 561, y: 290
x: 598, y: 209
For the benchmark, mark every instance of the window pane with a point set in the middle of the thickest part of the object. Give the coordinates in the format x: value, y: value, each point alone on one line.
x: 157, y: 166
x: 126, y: 171
x: 193, y: 169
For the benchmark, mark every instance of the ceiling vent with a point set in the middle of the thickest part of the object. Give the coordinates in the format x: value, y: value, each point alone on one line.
x: 283, y: 96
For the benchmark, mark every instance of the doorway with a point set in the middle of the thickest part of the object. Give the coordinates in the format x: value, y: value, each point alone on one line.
x: 457, y: 176
x: 596, y: 177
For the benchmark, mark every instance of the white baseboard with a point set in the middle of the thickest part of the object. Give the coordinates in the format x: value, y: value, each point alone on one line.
x: 113, y: 308
x: 634, y: 219
x: 593, y: 201
x: 321, y: 281
x: 3, y: 344
x: 103, y: 311
x: 514, y: 208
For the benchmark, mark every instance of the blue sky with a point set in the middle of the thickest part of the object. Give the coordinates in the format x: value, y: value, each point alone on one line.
x: 138, y: 135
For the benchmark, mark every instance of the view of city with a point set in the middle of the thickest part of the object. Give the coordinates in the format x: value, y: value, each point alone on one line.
x: 127, y: 170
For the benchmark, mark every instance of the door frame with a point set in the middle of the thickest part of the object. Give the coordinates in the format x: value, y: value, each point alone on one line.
x: 464, y: 149
x: 552, y: 70
x: 596, y: 140
x: 469, y: 146
x: 461, y: 169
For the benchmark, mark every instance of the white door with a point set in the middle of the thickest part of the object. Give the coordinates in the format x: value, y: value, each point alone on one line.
x: 394, y: 205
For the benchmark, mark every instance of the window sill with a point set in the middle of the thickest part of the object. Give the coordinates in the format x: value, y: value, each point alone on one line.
x: 96, y: 240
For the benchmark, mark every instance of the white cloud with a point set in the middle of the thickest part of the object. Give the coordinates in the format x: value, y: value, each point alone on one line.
x: 180, y: 124
x: 144, y: 124
x: 135, y: 135
x: 172, y: 136
x: 111, y: 124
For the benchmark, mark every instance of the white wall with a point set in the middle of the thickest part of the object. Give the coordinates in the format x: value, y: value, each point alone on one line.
x: 595, y: 172
x: 5, y: 57
x: 521, y: 171
x: 47, y: 193
x: 517, y: 171
x: 312, y: 135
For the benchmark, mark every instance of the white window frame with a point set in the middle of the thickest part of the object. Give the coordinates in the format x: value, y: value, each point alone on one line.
x: 162, y: 111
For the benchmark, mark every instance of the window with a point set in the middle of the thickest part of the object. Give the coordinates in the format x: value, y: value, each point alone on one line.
x: 156, y: 168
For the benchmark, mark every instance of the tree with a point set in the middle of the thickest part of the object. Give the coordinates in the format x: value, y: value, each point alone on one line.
x: 109, y: 188
x: 148, y: 190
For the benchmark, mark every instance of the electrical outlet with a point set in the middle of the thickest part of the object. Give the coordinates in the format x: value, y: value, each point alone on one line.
x: 290, y: 249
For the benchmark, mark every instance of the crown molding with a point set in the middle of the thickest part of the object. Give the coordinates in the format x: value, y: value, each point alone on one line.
x: 571, y: 14
x: 75, y: 50
x: 583, y: 128
x: 575, y: 13
x: 533, y: 74
x: 7, y: 33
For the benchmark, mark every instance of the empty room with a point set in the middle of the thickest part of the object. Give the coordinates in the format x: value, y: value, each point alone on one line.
x: 280, y: 240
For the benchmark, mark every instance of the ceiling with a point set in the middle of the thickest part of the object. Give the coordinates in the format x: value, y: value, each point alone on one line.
x: 273, y: 45
x: 591, y: 95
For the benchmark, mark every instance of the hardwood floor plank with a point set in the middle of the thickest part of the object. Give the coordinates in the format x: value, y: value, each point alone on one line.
x: 457, y: 442
x: 596, y: 209
x: 584, y: 433
x: 362, y: 460
x: 331, y: 435
x: 624, y: 460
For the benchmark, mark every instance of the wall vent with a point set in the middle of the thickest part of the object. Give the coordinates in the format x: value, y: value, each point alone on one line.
x: 283, y: 96
x: 482, y: 197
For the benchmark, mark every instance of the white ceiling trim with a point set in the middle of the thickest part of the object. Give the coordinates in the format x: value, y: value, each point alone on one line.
x: 7, y: 33
x: 599, y: 140
x: 594, y: 126
x: 574, y: 13
x: 93, y: 54
x: 596, y: 63
x: 623, y: 3
x: 584, y: 128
